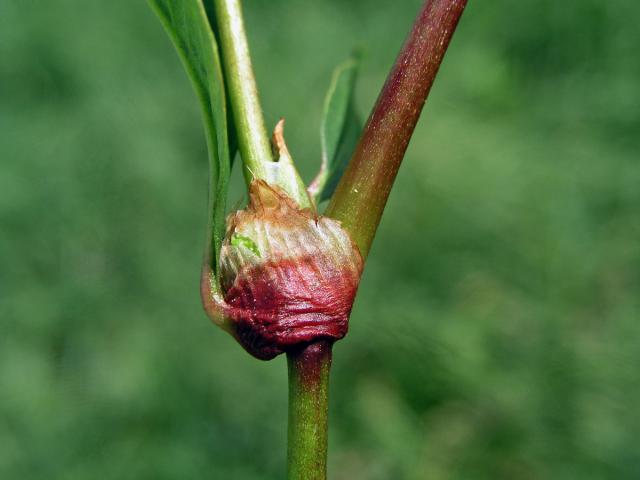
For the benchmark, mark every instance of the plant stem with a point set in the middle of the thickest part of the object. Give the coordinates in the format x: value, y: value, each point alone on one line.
x: 251, y: 133
x: 362, y: 193
x: 308, y: 406
x: 253, y: 141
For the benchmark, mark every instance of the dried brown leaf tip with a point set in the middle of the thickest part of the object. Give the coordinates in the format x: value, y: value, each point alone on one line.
x: 288, y: 275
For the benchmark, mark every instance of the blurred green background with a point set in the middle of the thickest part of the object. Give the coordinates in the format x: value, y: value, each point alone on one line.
x: 496, y: 334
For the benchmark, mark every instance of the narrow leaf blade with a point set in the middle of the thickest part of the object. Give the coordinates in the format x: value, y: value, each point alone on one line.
x: 339, y: 130
x: 188, y: 27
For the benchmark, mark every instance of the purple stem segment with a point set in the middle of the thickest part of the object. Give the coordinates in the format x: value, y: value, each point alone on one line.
x: 362, y: 193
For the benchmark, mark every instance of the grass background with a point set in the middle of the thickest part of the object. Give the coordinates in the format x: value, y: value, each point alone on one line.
x: 496, y: 334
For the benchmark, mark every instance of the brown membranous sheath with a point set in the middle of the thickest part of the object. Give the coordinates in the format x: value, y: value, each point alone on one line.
x: 288, y: 275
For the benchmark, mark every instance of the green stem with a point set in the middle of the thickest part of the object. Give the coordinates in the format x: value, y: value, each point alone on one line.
x: 251, y: 133
x: 363, y: 190
x: 253, y: 141
x: 308, y: 406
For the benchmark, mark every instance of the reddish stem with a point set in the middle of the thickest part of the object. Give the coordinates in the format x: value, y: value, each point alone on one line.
x: 364, y: 188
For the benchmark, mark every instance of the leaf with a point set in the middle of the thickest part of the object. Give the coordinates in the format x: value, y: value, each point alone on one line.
x: 339, y: 131
x: 188, y: 27
x: 242, y: 241
x: 231, y: 128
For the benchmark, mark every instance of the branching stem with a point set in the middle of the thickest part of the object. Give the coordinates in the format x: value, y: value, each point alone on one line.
x: 360, y: 196
x: 253, y: 141
x: 364, y: 188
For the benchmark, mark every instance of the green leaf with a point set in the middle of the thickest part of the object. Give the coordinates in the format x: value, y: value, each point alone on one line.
x: 242, y: 241
x: 339, y: 131
x: 188, y: 27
